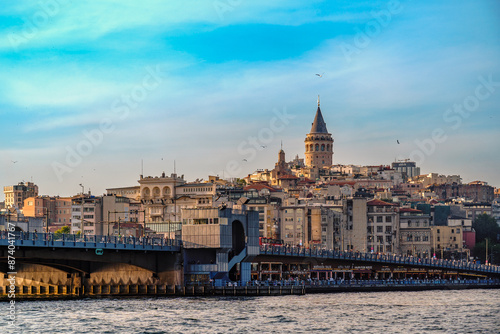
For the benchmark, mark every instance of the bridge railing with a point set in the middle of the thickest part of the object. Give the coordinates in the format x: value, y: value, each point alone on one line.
x: 372, y: 282
x: 57, y: 239
x: 374, y: 257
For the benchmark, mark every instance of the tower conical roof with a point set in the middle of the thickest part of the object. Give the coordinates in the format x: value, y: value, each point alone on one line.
x: 319, y: 125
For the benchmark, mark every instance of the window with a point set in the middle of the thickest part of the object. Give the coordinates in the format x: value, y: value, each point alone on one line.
x: 438, y: 239
x: 438, y: 231
x: 388, y: 219
x: 379, y: 219
x: 379, y: 229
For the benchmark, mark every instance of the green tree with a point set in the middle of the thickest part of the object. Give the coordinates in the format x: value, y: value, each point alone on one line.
x: 63, y: 230
x: 241, y: 182
x: 493, y: 252
x: 486, y: 227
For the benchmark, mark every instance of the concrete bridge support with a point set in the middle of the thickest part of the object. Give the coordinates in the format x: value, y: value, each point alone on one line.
x: 49, y: 273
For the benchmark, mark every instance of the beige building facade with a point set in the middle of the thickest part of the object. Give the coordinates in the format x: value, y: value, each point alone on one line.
x: 447, y: 241
x: 15, y: 195
x: 415, y: 237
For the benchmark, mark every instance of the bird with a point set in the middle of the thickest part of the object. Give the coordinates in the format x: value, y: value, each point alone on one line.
x: 263, y: 146
x: 14, y: 161
x: 244, y: 159
x: 320, y: 75
x: 397, y: 141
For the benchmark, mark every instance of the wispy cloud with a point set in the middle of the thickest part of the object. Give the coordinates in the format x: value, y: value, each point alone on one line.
x: 223, y: 76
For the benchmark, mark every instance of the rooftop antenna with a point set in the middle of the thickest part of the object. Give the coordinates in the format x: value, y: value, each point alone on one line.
x: 318, y: 100
x: 142, y: 168
x: 174, y: 168
x: 282, y: 144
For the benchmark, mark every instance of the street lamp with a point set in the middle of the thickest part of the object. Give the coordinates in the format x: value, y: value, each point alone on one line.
x: 81, y: 214
x: 486, y: 259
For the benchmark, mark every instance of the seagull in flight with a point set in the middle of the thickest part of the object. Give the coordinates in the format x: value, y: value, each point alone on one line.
x: 14, y: 161
x: 244, y: 159
x: 263, y: 146
x: 397, y: 141
x: 320, y: 75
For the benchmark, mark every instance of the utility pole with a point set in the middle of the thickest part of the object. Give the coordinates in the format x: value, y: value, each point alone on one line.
x: 81, y: 214
x: 486, y: 259
x: 47, y: 212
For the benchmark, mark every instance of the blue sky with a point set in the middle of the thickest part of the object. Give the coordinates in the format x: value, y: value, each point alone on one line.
x: 88, y: 89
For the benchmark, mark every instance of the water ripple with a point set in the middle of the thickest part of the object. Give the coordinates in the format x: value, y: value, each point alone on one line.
x: 471, y: 311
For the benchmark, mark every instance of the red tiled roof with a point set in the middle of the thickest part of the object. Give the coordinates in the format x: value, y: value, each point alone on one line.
x: 409, y: 210
x: 288, y: 177
x: 377, y: 202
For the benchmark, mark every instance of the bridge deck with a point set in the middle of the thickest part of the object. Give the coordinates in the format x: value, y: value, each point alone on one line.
x: 379, y: 258
x: 21, y: 239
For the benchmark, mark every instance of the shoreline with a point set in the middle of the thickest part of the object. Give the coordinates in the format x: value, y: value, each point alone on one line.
x: 256, y: 291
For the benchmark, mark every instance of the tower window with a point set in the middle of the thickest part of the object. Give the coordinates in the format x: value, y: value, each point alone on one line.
x: 317, y: 147
x: 322, y: 147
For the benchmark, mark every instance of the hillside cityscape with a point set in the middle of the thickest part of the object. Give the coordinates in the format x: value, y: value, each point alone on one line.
x: 304, y: 202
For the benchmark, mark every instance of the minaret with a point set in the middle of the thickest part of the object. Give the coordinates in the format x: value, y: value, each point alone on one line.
x: 319, y: 143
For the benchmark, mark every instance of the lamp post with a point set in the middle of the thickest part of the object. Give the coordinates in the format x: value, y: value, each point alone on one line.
x: 486, y: 259
x: 47, y: 219
x: 81, y: 214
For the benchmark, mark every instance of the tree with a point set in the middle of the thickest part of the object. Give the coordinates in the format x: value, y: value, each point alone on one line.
x: 241, y: 182
x: 63, y: 230
x: 486, y: 227
x: 493, y: 252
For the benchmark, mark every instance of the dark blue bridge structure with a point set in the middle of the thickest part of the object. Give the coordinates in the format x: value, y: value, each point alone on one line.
x: 384, y: 259
x: 69, y: 265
